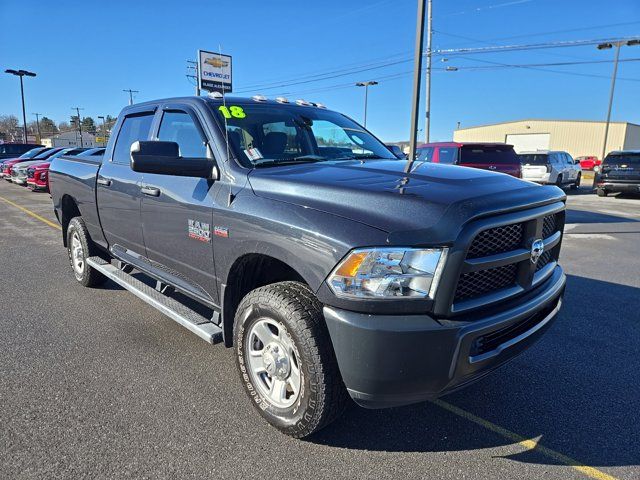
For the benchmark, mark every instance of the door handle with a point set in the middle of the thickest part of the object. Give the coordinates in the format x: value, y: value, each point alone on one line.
x: 104, y: 181
x: 151, y: 191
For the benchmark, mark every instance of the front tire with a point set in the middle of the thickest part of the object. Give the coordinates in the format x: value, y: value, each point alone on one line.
x: 80, y: 247
x: 576, y: 185
x: 559, y: 181
x: 285, y: 359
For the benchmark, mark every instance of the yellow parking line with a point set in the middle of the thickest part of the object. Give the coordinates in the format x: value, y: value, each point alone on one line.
x: 32, y: 214
x: 525, y: 442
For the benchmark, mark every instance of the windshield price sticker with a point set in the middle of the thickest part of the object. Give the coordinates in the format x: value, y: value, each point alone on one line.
x: 253, y: 153
x: 233, y: 111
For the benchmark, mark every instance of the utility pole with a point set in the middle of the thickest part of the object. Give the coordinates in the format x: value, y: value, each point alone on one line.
x: 38, y: 125
x: 194, y: 65
x: 22, y: 73
x: 131, y: 92
x: 366, y: 86
x: 606, y: 46
x: 104, y: 129
x: 417, y: 70
x: 77, y: 109
x: 427, y: 120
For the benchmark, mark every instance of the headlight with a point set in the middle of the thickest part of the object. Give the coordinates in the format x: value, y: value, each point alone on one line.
x: 379, y: 273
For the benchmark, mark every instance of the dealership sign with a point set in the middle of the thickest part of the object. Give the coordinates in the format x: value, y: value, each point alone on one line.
x: 214, y: 71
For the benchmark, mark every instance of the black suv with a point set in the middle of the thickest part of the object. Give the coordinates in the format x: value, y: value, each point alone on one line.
x: 619, y: 172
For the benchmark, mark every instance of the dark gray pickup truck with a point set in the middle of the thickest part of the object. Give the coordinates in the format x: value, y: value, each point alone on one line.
x: 290, y: 233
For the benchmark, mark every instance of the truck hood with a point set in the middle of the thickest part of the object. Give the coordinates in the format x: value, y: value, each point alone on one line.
x: 429, y: 206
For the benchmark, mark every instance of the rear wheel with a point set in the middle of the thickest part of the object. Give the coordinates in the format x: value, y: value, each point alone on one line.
x: 80, y: 247
x: 601, y: 192
x: 285, y: 359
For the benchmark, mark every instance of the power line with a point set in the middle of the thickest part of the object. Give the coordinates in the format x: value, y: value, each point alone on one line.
x: 531, y: 46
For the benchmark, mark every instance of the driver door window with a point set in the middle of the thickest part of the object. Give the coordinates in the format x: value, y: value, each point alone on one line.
x: 179, y: 127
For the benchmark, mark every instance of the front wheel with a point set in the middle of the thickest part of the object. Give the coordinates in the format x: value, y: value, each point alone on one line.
x: 286, y: 360
x: 576, y: 185
x: 559, y: 181
x: 80, y: 247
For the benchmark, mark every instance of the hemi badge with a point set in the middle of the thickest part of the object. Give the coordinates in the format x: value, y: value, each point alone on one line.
x: 221, y: 232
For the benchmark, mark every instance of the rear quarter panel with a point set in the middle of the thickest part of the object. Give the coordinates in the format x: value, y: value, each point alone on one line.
x: 75, y: 178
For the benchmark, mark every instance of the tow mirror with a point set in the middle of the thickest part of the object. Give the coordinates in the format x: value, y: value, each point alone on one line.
x: 163, y: 158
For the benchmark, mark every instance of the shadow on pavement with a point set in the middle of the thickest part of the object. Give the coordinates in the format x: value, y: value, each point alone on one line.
x: 584, y: 216
x: 576, y: 391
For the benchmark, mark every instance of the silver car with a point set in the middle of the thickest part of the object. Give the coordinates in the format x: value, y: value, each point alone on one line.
x: 551, y: 167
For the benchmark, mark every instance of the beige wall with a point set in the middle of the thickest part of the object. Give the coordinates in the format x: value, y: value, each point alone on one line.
x: 577, y: 138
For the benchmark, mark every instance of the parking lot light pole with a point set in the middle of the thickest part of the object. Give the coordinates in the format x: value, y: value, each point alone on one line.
x: 417, y: 70
x: 22, y: 73
x: 366, y: 96
x: 607, y: 46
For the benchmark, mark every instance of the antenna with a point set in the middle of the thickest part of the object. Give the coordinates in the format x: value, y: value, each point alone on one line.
x: 224, y: 103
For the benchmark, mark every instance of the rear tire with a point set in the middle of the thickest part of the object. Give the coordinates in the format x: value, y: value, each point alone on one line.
x: 80, y: 247
x: 282, y: 345
x: 601, y: 192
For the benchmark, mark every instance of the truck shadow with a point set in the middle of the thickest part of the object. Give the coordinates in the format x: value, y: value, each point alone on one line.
x: 576, y: 392
x: 585, y: 216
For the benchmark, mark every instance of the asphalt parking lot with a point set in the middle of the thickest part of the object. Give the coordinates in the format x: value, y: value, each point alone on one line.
x: 95, y: 383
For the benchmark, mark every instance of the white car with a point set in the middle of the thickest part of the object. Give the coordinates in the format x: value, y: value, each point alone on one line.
x: 551, y: 167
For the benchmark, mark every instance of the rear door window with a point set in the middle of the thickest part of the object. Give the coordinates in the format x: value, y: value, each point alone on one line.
x: 134, y: 128
x: 178, y: 126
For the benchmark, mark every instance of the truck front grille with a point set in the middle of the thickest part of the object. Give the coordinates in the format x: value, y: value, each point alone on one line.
x: 477, y: 283
x: 496, y: 240
x: 483, y: 274
x: 30, y: 173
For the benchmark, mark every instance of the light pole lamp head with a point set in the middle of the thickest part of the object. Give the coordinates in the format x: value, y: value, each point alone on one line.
x: 604, y: 46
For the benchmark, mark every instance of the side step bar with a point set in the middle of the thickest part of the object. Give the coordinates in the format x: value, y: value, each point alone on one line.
x: 196, y: 323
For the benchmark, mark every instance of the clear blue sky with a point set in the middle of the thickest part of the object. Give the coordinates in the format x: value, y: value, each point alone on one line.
x: 86, y: 52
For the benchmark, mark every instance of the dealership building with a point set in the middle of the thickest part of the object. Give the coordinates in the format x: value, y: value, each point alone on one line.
x: 577, y: 137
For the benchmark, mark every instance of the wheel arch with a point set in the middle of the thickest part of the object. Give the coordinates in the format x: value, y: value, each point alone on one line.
x: 68, y: 210
x: 248, y: 272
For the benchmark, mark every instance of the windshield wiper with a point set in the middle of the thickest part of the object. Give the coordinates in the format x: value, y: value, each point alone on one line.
x: 265, y: 162
x: 363, y: 157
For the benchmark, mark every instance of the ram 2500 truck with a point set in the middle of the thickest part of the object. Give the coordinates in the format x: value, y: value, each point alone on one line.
x: 297, y: 238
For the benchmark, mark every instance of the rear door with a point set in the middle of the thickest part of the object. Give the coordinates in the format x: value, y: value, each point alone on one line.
x: 118, y: 187
x: 177, y: 212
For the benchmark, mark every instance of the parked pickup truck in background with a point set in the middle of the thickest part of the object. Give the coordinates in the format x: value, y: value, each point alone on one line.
x: 331, y: 272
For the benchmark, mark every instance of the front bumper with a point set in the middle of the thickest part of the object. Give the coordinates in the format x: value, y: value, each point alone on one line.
x: 391, y: 360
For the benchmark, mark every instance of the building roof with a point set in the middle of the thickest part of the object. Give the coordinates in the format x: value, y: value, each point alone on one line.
x: 543, y: 120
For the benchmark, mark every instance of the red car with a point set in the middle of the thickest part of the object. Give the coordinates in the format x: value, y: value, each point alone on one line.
x: 7, y: 166
x: 496, y: 157
x: 589, y: 162
x: 38, y: 176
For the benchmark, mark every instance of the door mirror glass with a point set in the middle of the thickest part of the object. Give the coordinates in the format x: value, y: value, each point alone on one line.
x: 163, y: 158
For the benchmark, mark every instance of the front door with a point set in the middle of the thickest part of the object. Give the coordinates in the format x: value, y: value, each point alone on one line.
x: 177, y: 212
x: 118, y: 189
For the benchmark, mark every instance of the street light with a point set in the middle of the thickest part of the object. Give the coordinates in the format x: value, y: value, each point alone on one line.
x: 22, y: 73
x: 607, y: 46
x: 366, y: 96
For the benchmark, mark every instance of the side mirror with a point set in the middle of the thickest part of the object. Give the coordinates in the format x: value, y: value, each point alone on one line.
x: 163, y: 158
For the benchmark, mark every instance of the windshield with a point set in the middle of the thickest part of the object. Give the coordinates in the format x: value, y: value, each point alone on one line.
x: 33, y: 152
x: 501, y: 154
x: 47, y: 154
x: 268, y: 134
x: 631, y: 159
x: 534, y: 159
